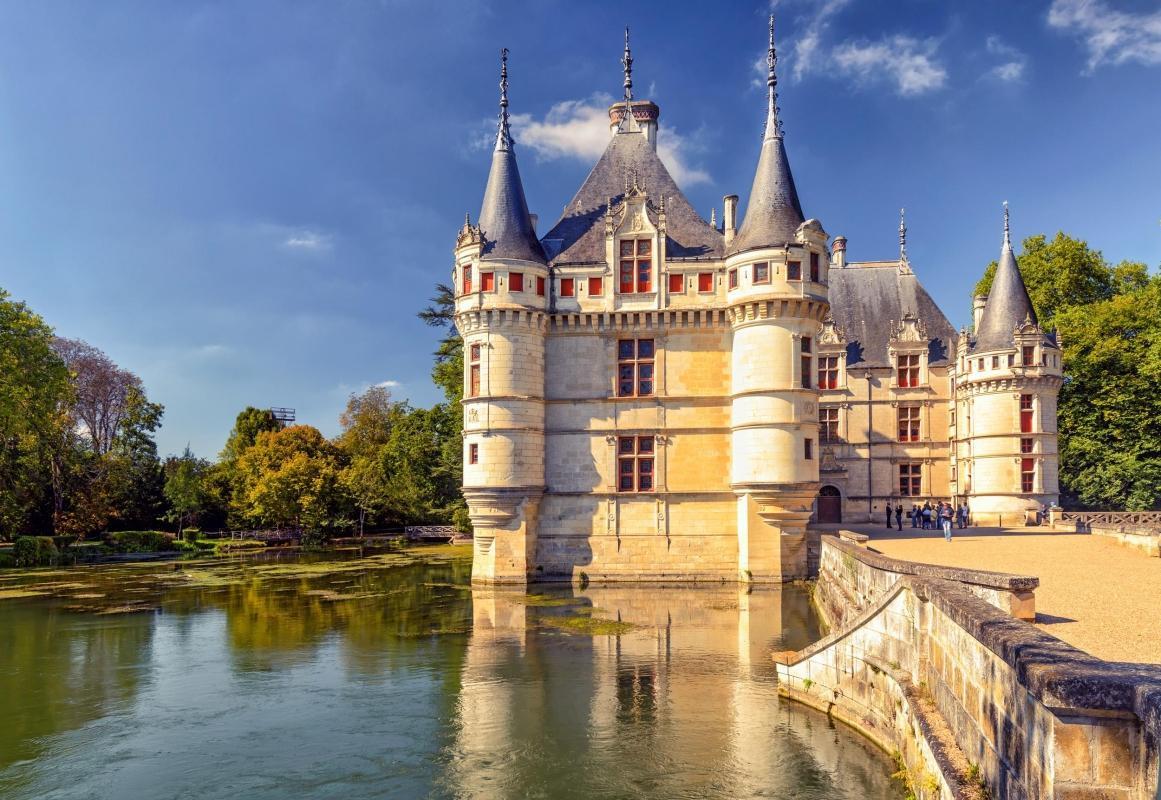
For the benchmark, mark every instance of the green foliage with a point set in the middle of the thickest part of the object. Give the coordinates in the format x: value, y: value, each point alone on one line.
x: 1108, y: 320
x: 184, y: 486
x: 292, y: 478
x: 190, y: 535
x: 461, y: 519
x: 34, y: 387
x: 249, y: 423
x: 35, y: 551
x: 141, y: 542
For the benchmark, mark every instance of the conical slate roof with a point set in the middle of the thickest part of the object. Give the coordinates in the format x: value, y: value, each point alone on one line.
x: 1008, y: 302
x: 504, y: 219
x: 773, y: 213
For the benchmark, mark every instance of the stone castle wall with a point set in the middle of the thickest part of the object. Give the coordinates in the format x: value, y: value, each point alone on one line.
x: 971, y: 697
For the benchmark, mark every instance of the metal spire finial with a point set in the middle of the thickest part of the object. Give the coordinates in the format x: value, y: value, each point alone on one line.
x: 627, y: 63
x: 902, y: 238
x: 772, y: 85
x: 503, y: 134
x: 1007, y: 233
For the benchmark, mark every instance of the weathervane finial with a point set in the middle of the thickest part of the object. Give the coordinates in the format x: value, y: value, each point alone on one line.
x: 1007, y: 233
x: 772, y: 86
x: 627, y: 63
x: 503, y: 134
x: 902, y: 238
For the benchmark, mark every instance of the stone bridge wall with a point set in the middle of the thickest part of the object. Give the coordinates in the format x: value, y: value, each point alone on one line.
x: 973, y: 699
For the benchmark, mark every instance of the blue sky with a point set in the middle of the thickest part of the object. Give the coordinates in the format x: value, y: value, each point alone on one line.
x: 247, y: 202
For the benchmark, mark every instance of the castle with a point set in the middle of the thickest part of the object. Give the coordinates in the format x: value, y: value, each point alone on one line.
x: 651, y: 396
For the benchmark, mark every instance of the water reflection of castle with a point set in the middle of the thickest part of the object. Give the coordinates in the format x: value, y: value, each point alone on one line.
x: 683, y: 705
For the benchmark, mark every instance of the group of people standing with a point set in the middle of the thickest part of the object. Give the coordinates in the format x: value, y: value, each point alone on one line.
x: 929, y: 517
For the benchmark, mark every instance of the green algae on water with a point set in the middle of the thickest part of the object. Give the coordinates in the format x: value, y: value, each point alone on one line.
x: 588, y: 626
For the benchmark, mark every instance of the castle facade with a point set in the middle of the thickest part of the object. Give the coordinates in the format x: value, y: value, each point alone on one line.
x: 651, y: 396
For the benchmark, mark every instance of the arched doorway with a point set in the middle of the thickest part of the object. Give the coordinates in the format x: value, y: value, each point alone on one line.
x: 830, y: 506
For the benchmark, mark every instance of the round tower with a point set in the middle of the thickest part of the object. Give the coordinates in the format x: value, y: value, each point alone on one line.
x: 776, y: 268
x: 1007, y: 381
x: 501, y: 279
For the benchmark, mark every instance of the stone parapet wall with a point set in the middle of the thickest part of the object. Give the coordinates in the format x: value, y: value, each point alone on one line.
x: 972, y: 698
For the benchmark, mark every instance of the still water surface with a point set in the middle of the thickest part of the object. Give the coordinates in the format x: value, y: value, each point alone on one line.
x: 389, y: 676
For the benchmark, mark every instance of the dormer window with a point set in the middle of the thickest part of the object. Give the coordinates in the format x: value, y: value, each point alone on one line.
x: 793, y: 270
x: 907, y: 371
x: 636, y: 266
x: 762, y: 272
x: 1028, y: 355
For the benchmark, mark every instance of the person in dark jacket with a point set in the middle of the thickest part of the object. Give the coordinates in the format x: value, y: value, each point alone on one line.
x: 888, y: 514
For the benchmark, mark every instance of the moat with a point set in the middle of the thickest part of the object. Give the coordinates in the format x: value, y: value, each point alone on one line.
x: 387, y: 675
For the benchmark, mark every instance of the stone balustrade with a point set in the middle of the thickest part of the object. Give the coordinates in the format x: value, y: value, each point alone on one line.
x: 976, y: 702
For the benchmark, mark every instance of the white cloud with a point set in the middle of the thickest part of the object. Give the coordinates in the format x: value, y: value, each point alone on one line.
x: 388, y: 385
x: 907, y: 63
x: 1012, y: 61
x: 580, y: 129
x: 308, y: 240
x: 1110, y: 36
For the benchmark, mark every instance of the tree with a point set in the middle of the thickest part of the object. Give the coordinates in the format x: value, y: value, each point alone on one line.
x: 366, y: 429
x: 103, y: 392
x: 1108, y: 320
x: 34, y: 391
x: 292, y: 478
x: 249, y: 423
x: 448, y: 371
x: 184, y: 486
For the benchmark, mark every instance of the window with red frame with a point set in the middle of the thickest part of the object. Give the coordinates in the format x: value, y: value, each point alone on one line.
x: 473, y: 454
x: 635, y: 367
x: 487, y: 281
x: 466, y: 282
x: 828, y: 425
x: 910, y: 480
x: 1027, y: 474
x: 908, y: 423
x: 1026, y: 445
x: 705, y: 282
x: 636, y: 273
x: 1028, y: 356
x: 567, y: 287
x: 676, y: 284
x: 828, y: 372
x: 474, y: 371
x: 596, y: 287
x: 814, y: 267
x: 793, y: 270
x: 732, y: 279
x: 540, y: 286
x: 762, y: 272
x: 515, y: 281
x: 1025, y: 413
x: 907, y: 371
x: 635, y: 463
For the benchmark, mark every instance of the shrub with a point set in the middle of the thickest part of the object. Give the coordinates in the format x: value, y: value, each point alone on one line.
x: 190, y: 535
x: 35, y: 551
x: 313, y: 540
x: 7, y: 559
x: 141, y: 542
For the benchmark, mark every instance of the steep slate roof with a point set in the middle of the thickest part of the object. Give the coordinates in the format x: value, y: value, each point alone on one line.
x: 1008, y: 302
x: 773, y: 213
x: 865, y: 300
x: 504, y: 217
x: 579, y: 235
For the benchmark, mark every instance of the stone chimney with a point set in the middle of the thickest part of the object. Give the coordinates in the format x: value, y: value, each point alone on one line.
x: 978, y: 303
x: 730, y: 217
x: 645, y: 114
x: 838, y: 253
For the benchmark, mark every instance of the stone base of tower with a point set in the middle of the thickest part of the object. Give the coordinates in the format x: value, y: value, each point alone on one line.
x: 774, y: 543
x: 504, y: 534
x: 1006, y: 511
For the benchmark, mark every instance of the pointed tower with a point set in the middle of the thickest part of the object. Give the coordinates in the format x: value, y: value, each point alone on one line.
x: 1007, y: 380
x: 776, y: 278
x: 501, y: 278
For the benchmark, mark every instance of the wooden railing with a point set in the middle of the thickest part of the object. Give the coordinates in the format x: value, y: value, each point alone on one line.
x: 1084, y: 520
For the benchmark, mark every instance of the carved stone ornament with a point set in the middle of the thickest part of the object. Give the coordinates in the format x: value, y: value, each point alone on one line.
x: 832, y: 332
x: 910, y: 330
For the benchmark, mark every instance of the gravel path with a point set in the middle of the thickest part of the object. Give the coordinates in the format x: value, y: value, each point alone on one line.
x: 1094, y: 593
